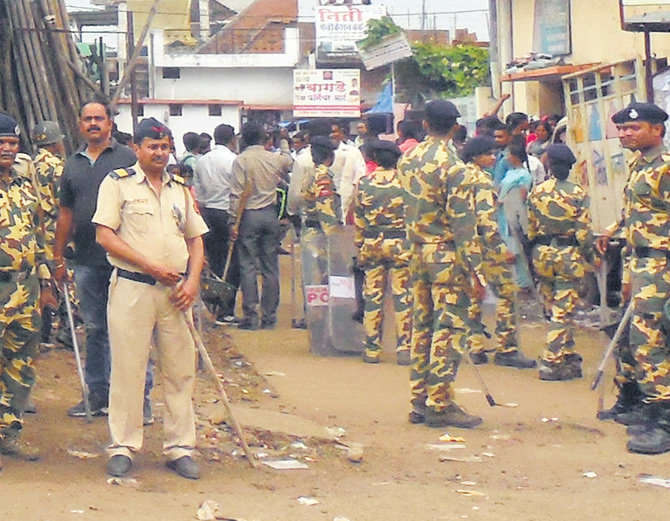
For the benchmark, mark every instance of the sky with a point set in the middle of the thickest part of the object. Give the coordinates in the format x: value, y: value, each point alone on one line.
x: 443, y: 13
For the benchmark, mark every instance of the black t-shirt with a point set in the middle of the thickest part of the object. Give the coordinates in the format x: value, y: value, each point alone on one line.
x: 79, y: 192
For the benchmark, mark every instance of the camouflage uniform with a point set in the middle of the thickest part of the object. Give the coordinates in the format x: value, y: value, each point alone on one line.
x: 49, y: 169
x: 21, y: 249
x: 647, y: 229
x: 383, y: 253
x: 441, y: 226
x: 498, y: 272
x: 560, y: 226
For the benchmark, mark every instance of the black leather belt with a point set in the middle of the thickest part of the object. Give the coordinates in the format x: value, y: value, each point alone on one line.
x: 14, y: 276
x: 556, y: 240
x: 137, y: 277
x: 388, y: 234
x: 645, y: 252
x: 312, y: 223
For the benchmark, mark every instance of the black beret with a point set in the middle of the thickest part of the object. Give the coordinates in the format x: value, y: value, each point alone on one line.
x: 151, y: 128
x: 322, y: 142
x: 384, y: 144
x: 560, y: 153
x: 8, y: 126
x: 476, y: 146
x: 641, y: 112
x: 442, y: 109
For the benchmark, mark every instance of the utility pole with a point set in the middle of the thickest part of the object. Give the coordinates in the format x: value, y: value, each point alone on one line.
x: 133, y: 79
x: 423, y: 15
x: 494, y: 55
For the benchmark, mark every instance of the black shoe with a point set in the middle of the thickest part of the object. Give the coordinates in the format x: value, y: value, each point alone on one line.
x: 628, y: 398
x: 98, y: 408
x: 225, y: 320
x: 416, y: 417
x: 185, y: 466
x: 651, y: 441
x: 514, y: 359
x: 559, y: 372
x: 119, y: 465
x: 479, y: 357
x: 249, y: 324
x: 12, y: 445
x: 453, y: 416
x: 30, y: 407
x: 268, y: 324
x: 637, y: 415
x: 299, y: 323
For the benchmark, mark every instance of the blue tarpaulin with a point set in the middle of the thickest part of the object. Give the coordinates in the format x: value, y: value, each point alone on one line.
x: 384, y: 102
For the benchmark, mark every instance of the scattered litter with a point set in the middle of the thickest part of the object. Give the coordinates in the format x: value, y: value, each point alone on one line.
x: 469, y: 483
x: 336, y: 432
x: 355, y: 453
x: 467, y: 390
x: 286, y: 464
x: 123, y: 482
x: 298, y: 445
x: 512, y: 405
x: 308, y: 501
x: 468, y: 492
x: 590, y: 474
x: 448, y: 437
x: 82, y: 454
x: 274, y: 373
x: 93, y: 507
x: 267, y: 391
x: 500, y: 437
x: 76, y: 511
x: 465, y: 459
x: 262, y: 455
x: 381, y: 483
x: 549, y: 420
x: 654, y: 480
x: 488, y: 454
x: 208, y: 511
x: 340, y: 518
x: 475, y: 508
x: 440, y: 446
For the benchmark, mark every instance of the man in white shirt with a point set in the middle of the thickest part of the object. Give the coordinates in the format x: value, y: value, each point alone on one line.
x: 211, y: 181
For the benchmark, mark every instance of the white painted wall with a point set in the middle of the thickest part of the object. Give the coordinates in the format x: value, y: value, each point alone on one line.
x: 253, y: 86
x: 194, y: 118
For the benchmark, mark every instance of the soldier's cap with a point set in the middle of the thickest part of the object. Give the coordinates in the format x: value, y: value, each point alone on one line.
x: 47, y: 133
x: 151, y: 128
x: 560, y: 153
x: 383, y: 144
x: 441, y: 109
x: 477, y: 146
x: 8, y: 126
x: 322, y: 142
x: 640, y: 112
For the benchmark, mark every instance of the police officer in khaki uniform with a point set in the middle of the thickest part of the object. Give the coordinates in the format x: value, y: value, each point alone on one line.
x: 148, y: 224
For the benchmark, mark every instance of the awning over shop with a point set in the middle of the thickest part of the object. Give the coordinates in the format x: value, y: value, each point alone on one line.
x: 554, y: 73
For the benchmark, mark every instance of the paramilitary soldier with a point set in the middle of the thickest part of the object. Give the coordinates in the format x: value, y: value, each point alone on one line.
x: 441, y: 226
x: 383, y: 251
x: 646, y: 224
x: 22, y: 261
x: 479, y: 153
x: 560, y: 229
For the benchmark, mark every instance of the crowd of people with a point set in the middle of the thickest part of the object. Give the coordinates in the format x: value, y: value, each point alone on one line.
x: 436, y: 214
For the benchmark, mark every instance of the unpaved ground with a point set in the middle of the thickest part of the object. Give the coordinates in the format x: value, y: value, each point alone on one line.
x: 530, y: 469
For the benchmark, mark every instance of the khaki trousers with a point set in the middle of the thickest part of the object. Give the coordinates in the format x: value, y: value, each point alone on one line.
x: 135, y: 312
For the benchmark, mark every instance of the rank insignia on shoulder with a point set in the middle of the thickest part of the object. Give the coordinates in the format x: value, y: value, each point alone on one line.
x: 121, y: 173
x: 178, y: 179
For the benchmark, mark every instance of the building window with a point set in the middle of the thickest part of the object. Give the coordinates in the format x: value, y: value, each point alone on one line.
x: 176, y: 110
x: 171, y: 73
x: 215, y: 110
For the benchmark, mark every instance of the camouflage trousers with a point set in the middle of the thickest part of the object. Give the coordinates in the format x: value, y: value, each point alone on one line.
x: 648, y: 343
x: 19, y: 333
x: 440, y: 292
x: 559, y: 270
x: 500, y: 279
x: 376, y: 278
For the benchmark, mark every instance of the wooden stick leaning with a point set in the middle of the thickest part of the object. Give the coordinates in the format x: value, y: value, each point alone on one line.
x: 222, y: 392
x: 77, y: 356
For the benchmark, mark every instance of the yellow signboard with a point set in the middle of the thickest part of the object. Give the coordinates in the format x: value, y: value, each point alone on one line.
x: 172, y: 16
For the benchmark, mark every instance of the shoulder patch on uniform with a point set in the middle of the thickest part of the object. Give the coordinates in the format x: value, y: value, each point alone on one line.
x: 121, y: 173
x: 178, y: 179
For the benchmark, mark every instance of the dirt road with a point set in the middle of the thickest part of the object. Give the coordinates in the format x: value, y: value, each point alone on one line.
x: 525, y: 463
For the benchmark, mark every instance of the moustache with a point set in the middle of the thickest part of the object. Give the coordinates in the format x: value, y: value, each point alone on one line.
x: 94, y: 128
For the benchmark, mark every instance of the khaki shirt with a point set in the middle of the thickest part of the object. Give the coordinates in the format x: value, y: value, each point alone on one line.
x: 155, y: 225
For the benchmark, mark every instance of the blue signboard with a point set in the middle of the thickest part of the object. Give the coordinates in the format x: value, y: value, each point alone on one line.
x: 552, y: 27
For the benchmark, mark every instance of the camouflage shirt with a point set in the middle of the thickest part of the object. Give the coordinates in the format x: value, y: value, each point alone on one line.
x: 321, y: 200
x: 22, y: 241
x: 379, y: 203
x: 561, y: 208
x: 486, y: 207
x: 439, y: 200
x: 49, y: 169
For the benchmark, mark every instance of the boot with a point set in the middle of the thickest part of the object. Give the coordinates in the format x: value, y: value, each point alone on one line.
x: 479, y: 357
x: 417, y: 414
x: 453, y: 415
x: 640, y: 414
x: 629, y: 396
x: 370, y: 357
x: 403, y: 357
x: 654, y: 436
x: 514, y: 359
x: 12, y: 445
x: 559, y: 372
